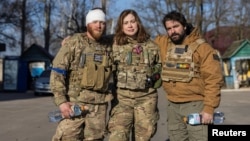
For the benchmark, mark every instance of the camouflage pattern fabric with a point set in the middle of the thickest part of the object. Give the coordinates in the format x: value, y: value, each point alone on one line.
x: 94, y: 130
x: 207, y: 87
x: 201, y: 94
x: 65, y: 81
x: 179, y: 64
x: 135, y: 104
x: 140, y: 112
x: 69, y: 59
x: 137, y: 62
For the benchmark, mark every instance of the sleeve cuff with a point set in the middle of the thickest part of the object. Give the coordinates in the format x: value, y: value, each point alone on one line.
x: 60, y: 100
x: 208, y: 109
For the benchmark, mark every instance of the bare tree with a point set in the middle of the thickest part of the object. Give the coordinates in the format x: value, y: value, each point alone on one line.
x: 47, y: 13
x: 220, y: 12
x: 47, y: 22
x: 155, y: 10
x: 199, y: 14
x: 23, y: 25
x: 10, y: 19
x: 242, y: 18
x: 104, y: 3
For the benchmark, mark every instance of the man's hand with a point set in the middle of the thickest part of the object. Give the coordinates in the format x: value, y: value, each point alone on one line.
x: 66, y: 110
x: 206, y: 118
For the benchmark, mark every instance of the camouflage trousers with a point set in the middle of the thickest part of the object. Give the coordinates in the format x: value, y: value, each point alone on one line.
x: 140, y: 113
x: 89, y: 127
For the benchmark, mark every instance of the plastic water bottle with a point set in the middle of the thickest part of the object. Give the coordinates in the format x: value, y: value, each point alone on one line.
x: 193, y: 119
x: 56, y: 116
x: 219, y: 117
x: 196, y: 118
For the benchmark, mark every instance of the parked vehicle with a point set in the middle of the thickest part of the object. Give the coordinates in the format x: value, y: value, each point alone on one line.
x: 41, y: 84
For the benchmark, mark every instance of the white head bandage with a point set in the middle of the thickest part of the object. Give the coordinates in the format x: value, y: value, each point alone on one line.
x: 95, y: 15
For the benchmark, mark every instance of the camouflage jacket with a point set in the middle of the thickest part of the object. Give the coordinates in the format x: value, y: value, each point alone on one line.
x: 70, y: 67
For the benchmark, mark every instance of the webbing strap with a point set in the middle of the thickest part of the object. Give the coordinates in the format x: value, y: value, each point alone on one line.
x: 196, y: 44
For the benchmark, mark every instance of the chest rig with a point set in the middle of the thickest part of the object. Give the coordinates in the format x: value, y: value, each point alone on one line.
x: 94, y: 66
x: 135, y: 64
x: 179, y: 65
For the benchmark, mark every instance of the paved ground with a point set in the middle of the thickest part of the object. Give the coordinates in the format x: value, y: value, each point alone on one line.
x: 24, y: 116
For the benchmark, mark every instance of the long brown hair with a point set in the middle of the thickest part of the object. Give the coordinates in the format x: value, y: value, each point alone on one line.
x: 121, y: 38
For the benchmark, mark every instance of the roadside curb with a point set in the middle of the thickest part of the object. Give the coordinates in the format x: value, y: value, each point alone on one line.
x: 235, y: 90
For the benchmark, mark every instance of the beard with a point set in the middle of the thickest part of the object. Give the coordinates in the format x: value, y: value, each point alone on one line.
x: 94, y: 33
x: 177, y: 38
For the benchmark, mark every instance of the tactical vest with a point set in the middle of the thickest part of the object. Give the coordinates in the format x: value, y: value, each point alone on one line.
x: 179, y: 65
x: 94, y: 68
x: 135, y: 64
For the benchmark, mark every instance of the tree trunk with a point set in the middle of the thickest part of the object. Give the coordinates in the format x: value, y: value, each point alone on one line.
x: 23, y: 25
x: 47, y: 14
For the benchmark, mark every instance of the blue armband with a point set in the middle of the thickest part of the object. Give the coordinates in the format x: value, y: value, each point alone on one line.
x: 60, y: 71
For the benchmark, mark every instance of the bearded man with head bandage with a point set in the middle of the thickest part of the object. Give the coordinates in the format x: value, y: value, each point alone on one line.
x: 80, y: 75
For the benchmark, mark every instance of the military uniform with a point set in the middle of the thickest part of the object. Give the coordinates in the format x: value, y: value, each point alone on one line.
x: 192, y: 78
x: 80, y: 74
x: 136, y: 101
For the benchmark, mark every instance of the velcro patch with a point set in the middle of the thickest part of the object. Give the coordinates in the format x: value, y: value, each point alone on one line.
x: 98, y: 57
x: 179, y: 50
